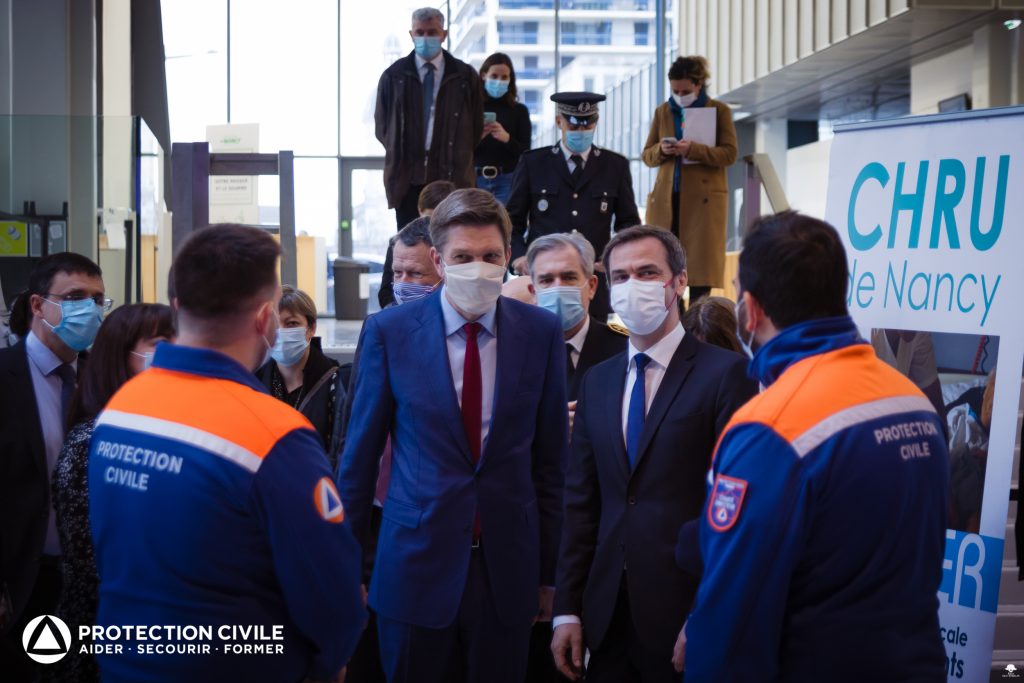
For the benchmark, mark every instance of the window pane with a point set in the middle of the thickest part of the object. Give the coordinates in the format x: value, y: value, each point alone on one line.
x: 284, y: 73
x: 195, y: 44
x: 373, y: 36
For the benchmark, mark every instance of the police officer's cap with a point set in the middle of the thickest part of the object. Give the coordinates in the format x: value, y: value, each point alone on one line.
x: 578, y: 107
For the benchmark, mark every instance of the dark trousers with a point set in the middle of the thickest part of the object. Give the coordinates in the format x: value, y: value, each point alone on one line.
x: 15, y: 665
x: 408, y: 209
x: 624, y: 657
x: 406, y: 212
x: 476, y: 648
x: 541, y: 666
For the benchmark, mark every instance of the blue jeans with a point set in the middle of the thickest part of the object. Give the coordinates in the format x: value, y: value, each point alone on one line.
x: 500, y: 186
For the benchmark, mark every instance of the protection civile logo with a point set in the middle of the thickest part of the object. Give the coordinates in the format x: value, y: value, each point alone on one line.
x: 46, y: 639
x: 1011, y: 671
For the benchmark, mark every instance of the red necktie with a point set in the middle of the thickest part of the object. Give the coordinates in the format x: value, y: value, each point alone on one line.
x: 472, y: 402
x: 472, y: 408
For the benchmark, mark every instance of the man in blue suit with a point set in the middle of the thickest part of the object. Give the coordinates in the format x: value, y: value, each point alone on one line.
x: 471, y: 390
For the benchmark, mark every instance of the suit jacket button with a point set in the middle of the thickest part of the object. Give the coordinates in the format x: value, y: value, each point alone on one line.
x: 575, y: 212
x: 575, y: 196
x: 632, y: 500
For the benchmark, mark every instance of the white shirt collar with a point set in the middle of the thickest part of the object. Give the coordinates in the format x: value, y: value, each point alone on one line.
x: 437, y: 61
x: 662, y: 352
x: 45, y: 360
x: 576, y: 341
x: 453, y: 320
x: 585, y: 154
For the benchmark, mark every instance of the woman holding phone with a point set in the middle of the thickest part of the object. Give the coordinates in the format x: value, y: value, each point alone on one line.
x: 507, y: 127
x: 690, y: 194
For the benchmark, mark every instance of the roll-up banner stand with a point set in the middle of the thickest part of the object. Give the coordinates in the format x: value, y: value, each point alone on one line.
x: 931, y: 211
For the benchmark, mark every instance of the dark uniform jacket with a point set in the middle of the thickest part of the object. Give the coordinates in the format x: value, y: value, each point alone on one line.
x: 458, y: 124
x: 600, y: 344
x: 544, y: 200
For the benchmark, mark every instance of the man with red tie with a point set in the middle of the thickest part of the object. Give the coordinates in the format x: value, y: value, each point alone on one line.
x: 471, y: 389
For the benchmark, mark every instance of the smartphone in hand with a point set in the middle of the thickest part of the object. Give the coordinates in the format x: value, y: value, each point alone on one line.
x: 490, y: 117
x: 669, y: 141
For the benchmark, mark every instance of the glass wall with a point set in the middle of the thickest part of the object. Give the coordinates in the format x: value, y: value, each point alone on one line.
x: 307, y: 74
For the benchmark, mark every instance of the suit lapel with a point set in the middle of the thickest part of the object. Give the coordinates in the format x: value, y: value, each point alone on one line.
x: 21, y: 383
x: 430, y: 339
x: 612, y: 398
x: 678, y: 370
x: 512, y: 339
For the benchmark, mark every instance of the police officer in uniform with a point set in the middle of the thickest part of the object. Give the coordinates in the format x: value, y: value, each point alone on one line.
x: 573, y: 185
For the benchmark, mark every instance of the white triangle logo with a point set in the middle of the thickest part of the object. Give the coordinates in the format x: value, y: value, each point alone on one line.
x: 46, y: 640
x: 329, y: 502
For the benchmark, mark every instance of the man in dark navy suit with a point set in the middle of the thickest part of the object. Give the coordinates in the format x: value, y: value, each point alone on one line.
x: 562, y: 279
x: 573, y: 185
x: 63, y: 308
x: 644, y: 431
x: 471, y: 389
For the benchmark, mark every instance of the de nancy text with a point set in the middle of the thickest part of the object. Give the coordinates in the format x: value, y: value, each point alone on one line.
x: 903, y: 283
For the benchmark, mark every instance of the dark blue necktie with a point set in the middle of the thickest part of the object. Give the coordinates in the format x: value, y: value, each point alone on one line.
x: 428, y: 95
x: 637, y: 408
x: 67, y: 388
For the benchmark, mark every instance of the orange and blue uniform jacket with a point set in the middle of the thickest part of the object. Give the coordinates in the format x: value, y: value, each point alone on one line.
x: 824, y: 528
x: 212, y: 504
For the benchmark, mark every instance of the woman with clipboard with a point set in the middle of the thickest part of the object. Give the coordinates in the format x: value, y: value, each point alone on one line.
x: 692, y: 142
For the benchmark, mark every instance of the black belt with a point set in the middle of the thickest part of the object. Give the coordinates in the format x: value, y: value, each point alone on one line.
x: 489, y: 172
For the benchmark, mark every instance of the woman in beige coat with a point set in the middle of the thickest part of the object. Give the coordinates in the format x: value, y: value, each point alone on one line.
x: 692, y: 199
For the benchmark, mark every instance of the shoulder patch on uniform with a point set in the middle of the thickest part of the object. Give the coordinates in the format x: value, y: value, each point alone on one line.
x: 328, y: 501
x: 725, y: 502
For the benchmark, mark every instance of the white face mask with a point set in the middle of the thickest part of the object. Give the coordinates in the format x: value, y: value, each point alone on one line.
x: 473, y: 287
x: 685, y: 100
x: 640, y: 304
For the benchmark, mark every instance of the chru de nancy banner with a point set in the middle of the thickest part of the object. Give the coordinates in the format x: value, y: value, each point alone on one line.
x: 931, y: 210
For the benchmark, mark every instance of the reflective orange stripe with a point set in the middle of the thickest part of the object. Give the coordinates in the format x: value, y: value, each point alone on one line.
x: 229, y: 410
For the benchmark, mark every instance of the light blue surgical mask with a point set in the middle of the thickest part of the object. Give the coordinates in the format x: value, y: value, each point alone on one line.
x: 427, y: 47
x: 410, y: 291
x: 147, y: 359
x: 495, y: 87
x: 79, y: 322
x: 750, y: 346
x: 579, y: 141
x: 565, y: 302
x: 290, y: 345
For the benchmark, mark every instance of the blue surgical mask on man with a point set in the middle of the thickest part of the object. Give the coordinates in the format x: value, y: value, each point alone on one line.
x: 290, y: 345
x: 79, y: 322
x: 410, y: 291
x: 565, y: 302
x: 427, y: 47
x: 579, y: 141
x: 496, y: 87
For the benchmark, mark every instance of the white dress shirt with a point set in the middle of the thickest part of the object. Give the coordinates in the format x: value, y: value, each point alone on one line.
x: 577, y: 341
x: 661, y: 355
x: 572, y: 165
x: 421, y: 69
x: 47, y: 385
x: 487, y: 342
